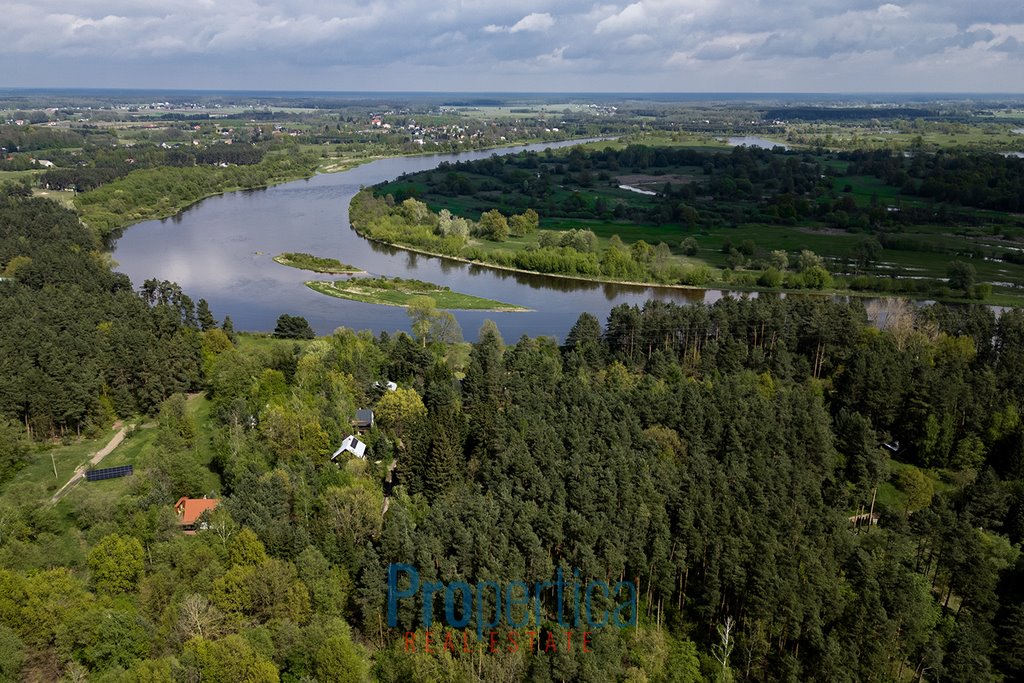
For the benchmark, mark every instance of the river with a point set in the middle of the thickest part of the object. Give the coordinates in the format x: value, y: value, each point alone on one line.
x: 221, y: 250
x: 754, y: 141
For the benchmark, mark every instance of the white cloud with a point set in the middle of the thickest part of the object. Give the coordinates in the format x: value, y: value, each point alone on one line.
x: 638, y: 44
x: 538, y: 21
x: 631, y: 18
x: 891, y: 11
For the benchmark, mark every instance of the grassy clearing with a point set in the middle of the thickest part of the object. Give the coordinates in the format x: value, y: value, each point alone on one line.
x: 893, y: 496
x: 399, y: 292
x: 317, y: 264
x: 14, y: 176
x: 37, y: 481
x: 995, y: 135
x: 63, y: 197
x: 134, y: 450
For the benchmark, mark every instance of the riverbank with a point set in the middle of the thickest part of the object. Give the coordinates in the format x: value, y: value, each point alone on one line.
x: 165, y: 191
x: 725, y: 287
x: 347, y: 165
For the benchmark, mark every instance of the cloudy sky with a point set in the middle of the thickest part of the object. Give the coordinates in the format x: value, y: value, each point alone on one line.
x: 536, y: 45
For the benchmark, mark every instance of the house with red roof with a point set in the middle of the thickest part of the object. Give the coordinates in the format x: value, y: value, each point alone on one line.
x: 189, y: 510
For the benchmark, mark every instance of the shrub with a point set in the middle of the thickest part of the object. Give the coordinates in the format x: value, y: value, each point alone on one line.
x: 771, y: 277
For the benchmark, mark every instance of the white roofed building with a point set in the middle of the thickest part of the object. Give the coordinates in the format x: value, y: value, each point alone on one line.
x: 352, y: 445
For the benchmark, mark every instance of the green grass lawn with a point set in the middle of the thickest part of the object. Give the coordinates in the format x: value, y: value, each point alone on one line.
x: 663, y: 139
x: 37, y: 480
x: 865, y: 187
x: 995, y: 136
x: 136, y: 450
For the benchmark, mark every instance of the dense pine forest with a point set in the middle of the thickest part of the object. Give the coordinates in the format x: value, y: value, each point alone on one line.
x: 724, y: 458
x: 79, y: 345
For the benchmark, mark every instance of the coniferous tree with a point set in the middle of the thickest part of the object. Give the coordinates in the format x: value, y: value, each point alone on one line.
x: 204, y: 316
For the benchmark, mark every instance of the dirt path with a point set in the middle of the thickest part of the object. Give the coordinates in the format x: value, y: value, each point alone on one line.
x: 114, y: 442
x: 387, y: 498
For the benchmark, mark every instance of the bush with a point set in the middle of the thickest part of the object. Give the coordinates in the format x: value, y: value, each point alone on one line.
x: 961, y: 276
x: 581, y: 240
x: 816, y: 277
x: 771, y: 277
x: 698, y: 276
x: 548, y: 238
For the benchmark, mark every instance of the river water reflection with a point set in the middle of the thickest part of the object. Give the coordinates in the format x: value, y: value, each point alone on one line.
x: 754, y: 141
x: 221, y: 249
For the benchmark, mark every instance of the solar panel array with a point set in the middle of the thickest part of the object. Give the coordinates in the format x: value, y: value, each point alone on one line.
x: 108, y: 473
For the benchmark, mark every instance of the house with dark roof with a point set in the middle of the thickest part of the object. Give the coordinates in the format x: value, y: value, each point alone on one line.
x: 363, y: 421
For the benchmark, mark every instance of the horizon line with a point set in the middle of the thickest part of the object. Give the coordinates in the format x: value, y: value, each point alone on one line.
x: 47, y: 88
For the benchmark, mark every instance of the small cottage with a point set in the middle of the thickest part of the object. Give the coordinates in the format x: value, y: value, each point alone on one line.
x: 352, y: 445
x: 363, y: 420
x: 189, y: 510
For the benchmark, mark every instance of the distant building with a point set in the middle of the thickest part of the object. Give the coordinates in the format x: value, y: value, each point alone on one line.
x: 189, y: 510
x: 363, y: 420
x: 386, y: 384
x: 352, y: 445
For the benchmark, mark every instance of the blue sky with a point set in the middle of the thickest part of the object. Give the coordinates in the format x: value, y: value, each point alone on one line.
x: 540, y: 45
